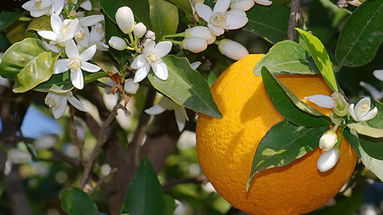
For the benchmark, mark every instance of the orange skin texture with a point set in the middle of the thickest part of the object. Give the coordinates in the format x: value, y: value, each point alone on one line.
x: 226, y: 146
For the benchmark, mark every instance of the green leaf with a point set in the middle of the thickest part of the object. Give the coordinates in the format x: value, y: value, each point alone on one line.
x: 353, y: 139
x: 144, y: 194
x: 140, y: 9
x: 184, y: 5
x: 289, y: 106
x: 112, y: 29
x: 38, y: 70
x: 76, y: 202
x: 42, y: 23
x: 19, y: 55
x: 185, y: 86
x: 319, y: 54
x: 169, y: 205
x: 374, y: 165
x: 269, y: 22
x: 287, y: 57
x: 377, y: 121
x: 283, y: 144
x: 164, y: 17
x: 366, y: 130
x: 372, y: 146
x: 7, y: 18
x: 362, y: 35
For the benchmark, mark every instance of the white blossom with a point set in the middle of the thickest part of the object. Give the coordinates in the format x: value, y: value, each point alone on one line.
x: 202, y: 32
x: 242, y: 4
x: 328, y: 160
x: 96, y: 36
x: 263, y: 2
x: 194, y: 44
x: 362, y: 110
x: 46, y: 141
x: 76, y: 62
x: 88, y: 21
x: 39, y: 8
x: 336, y: 102
x: 62, y: 31
x: 195, y: 65
x: 232, y: 49
x: 130, y: 86
x: 219, y: 18
x: 117, y: 43
x: 379, y: 74
x: 151, y: 57
x: 139, y: 30
x: 125, y: 19
x: 376, y: 94
x: 328, y: 140
x: 166, y: 104
x: 59, y: 102
x: 18, y: 156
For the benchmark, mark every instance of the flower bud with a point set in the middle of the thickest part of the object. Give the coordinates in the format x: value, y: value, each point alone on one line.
x: 130, y: 86
x: 243, y: 5
x: 232, y: 49
x: 200, y: 32
x: 46, y: 141
x: 263, y: 2
x: 117, y: 43
x: 194, y: 44
x: 328, y: 160
x: 328, y: 140
x: 125, y: 19
x: 139, y: 30
x: 18, y: 156
x: 150, y: 35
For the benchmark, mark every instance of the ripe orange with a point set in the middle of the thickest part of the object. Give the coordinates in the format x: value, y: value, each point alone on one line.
x: 226, y: 146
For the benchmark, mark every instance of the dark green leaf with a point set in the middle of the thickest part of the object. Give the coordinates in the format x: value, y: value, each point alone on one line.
x: 163, y: 17
x: 374, y: 165
x: 38, y: 70
x: 284, y: 143
x: 170, y: 205
x: 372, y: 146
x: 353, y: 139
x: 112, y: 29
x: 140, y: 9
x: 7, y: 18
x: 362, y: 35
x: 184, y: 5
x: 377, y: 121
x: 287, y: 57
x: 269, y: 22
x: 289, y: 105
x: 42, y: 23
x: 76, y: 202
x: 319, y: 54
x: 144, y: 196
x: 19, y: 55
x: 185, y: 86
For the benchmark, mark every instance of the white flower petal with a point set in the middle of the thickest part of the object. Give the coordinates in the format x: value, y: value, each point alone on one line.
x: 376, y: 94
x: 221, y: 6
x: 38, y: 13
x: 76, y: 103
x: 89, y: 67
x: 202, y: 32
x: 328, y: 160
x: 160, y: 70
x: 56, y: 23
x: 155, y: 110
x: 352, y: 113
x: 203, y: 11
x: 61, y: 66
x: 29, y: 5
x: 91, y: 20
x: 195, y: 65
x: 217, y: 31
x: 117, y: 43
x: 88, y: 53
x: 49, y: 35
x: 163, y: 48
x: 194, y: 44
x: 87, y: 5
x: 370, y: 115
x: 141, y: 73
x: 379, y: 74
x: 232, y: 49
x: 131, y: 87
x: 77, y: 78
x: 243, y: 5
x: 60, y: 109
x: 149, y: 46
x: 181, y: 117
x: 235, y: 19
x: 72, y: 27
x: 125, y: 19
x: 50, y: 47
x: 138, y: 62
x: 362, y: 107
x: 263, y: 2
x: 71, y: 49
x: 58, y: 5
x: 321, y: 100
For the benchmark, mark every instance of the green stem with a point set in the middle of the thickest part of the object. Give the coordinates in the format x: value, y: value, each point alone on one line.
x: 182, y: 34
x: 176, y: 42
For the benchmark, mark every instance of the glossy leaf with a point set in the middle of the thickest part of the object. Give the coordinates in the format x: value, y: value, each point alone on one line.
x: 76, y: 202
x: 19, y: 55
x: 269, y: 22
x: 185, y: 86
x: 289, y: 106
x: 8, y: 17
x: 319, y: 54
x: 144, y: 195
x: 353, y: 139
x: 366, y: 130
x: 183, y: 5
x: 374, y: 165
x: 287, y: 57
x: 362, y: 35
x: 377, y: 121
x: 42, y: 23
x: 169, y: 205
x: 372, y: 146
x: 283, y: 144
x: 112, y: 29
x: 163, y: 17
x: 140, y: 9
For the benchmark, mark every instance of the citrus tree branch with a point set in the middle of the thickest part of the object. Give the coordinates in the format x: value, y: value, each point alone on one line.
x: 294, y: 17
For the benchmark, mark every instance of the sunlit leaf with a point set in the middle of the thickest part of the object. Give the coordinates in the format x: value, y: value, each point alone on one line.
x: 163, y: 17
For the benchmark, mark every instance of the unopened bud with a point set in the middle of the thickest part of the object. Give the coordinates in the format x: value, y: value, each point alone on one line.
x: 117, y: 43
x: 46, y: 141
x: 18, y: 156
x: 150, y: 35
x: 243, y: 5
x: 202, y: 32
x: 328, y: 140
x: 328, y: 160
x: 125, y: 19
x: 232, y: 49
x: 263, y: 2
x: 194, y: 44
x: 130, y: 86
x: 139, y: 30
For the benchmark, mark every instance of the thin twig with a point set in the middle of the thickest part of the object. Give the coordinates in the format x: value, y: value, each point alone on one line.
x: 103, y: 180
x: 195, y: 180
x: 294, y: 17
x: 74, y: 137
x: 59, y: 156
x: 102, y: 137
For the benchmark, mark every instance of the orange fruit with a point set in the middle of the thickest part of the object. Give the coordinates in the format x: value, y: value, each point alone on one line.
x: 226, y: 146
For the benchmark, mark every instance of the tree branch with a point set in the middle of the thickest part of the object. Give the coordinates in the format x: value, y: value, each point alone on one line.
x: 294, y: 17
x: 195, y: 180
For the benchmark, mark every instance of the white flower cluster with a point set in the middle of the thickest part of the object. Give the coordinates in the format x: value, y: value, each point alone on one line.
x: 340, y: 108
